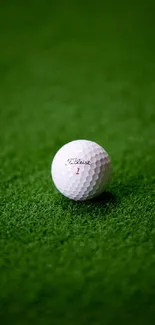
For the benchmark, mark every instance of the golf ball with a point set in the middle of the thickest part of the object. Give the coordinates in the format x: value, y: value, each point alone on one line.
x: 81, y: 170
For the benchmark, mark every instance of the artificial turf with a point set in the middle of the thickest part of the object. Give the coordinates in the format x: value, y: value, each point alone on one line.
x: 71, y: 71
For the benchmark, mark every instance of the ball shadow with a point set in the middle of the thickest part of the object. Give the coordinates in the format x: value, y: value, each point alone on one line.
x: 97, y: 207
x: 105, y: 197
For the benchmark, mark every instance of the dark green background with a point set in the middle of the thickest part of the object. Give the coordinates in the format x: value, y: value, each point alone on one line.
x: 70, y: 71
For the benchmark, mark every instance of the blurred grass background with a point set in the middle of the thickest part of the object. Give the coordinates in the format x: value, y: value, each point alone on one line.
x: 67, y: 71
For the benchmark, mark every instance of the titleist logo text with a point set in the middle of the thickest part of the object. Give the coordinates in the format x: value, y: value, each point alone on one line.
x: 78, y: 161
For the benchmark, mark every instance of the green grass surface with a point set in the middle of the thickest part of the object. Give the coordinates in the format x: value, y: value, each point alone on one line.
x: 68, y: 72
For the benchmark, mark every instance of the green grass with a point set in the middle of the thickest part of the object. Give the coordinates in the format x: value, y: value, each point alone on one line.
x: 68, y: 72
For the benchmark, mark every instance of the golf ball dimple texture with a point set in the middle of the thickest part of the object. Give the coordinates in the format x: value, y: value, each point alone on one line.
x: 81, y: 170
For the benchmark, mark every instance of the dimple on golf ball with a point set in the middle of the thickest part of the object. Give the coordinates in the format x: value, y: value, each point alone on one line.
x: 81, y: 170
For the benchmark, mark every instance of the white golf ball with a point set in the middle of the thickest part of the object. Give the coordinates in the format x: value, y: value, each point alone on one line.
x: 81, y: 170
